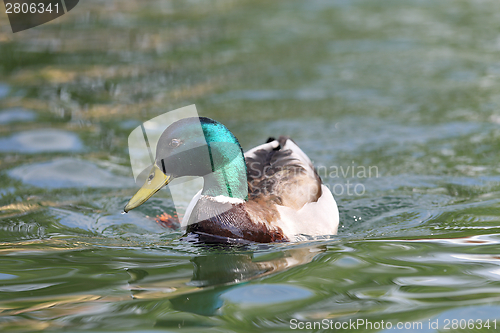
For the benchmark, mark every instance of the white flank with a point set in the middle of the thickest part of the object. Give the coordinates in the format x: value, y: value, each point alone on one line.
x: 318, y: 218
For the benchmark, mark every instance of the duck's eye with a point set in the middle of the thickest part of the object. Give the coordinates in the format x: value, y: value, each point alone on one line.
x: 175, y: 143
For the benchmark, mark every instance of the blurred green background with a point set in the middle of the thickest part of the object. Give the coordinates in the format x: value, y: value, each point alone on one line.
x: 409, y: 87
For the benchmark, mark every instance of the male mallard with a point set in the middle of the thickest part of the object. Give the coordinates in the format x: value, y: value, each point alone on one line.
x: 269, y: 194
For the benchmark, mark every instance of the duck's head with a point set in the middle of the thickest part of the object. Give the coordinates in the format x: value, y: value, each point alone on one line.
x: 196, y: 146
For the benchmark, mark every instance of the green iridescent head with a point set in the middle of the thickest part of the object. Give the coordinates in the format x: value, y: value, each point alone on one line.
x: 197, y: 146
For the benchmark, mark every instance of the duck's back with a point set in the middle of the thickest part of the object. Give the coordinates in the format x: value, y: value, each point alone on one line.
x: 279, y: 171
x: 281, y: 175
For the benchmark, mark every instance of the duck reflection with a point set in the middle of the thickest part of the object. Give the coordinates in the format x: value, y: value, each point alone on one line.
x: 216, y: 273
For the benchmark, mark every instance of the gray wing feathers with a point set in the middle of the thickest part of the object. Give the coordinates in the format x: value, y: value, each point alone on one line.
x: 280, y: 171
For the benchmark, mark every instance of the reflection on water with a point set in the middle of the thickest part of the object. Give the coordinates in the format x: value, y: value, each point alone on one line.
x: 334, y: 280
x: 221, y: 276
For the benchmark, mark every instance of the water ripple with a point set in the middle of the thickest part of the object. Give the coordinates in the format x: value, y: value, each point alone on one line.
x: 4, y: 90
x: 40, y: 141
x: 67, y: 173
x: 12, y: 115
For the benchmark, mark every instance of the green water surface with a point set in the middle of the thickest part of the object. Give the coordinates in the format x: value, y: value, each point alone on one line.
x: 408, y: 90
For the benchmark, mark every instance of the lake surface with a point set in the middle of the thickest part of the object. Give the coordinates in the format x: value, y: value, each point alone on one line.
x: 396, y: 102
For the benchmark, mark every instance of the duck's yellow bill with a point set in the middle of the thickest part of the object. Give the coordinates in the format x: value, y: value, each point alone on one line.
x: 155, y: 181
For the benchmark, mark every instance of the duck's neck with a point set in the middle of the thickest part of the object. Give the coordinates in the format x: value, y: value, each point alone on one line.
x: 229, y: 180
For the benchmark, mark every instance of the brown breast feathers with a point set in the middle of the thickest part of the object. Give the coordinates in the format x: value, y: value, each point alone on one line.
x: 229, y: 220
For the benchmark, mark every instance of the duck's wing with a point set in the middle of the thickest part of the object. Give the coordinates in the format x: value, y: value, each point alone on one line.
x: 280, y: 172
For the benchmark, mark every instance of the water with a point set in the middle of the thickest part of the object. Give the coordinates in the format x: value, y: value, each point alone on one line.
x: 399, y: 98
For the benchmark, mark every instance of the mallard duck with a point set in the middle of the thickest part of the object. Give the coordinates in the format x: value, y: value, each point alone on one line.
x: 269, y: 194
